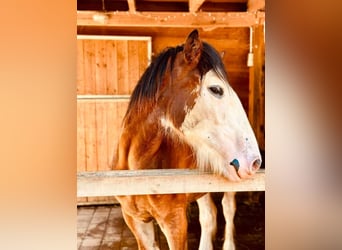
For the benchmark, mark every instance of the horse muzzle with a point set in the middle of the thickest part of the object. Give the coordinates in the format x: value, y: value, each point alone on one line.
x: 248, y: 169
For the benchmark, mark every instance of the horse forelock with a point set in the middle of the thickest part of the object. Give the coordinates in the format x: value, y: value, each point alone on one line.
x: 210, y: 59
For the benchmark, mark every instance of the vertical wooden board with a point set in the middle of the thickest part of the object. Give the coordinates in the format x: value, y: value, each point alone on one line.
x: 101, y: 139
x: 112, y: 132
x: 115, y: 114
x: 261, y: 85
x: 143, y: 57
x: 81, y: 161
x: 90, y: 135
x: 81, y: 154
x: 133, y: 62
x: 89, y: 62
x: 257, y: 88
x: 111, y: 58
x: 91, y: 149
x: 100, y: 67
x: 80, y: 68
x: 123, y: 67
x: 101, y: 135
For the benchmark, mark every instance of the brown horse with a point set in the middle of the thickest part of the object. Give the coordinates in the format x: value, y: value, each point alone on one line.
x: 184, y: 114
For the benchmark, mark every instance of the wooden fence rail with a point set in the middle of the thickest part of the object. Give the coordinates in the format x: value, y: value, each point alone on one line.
x: 170, y: 181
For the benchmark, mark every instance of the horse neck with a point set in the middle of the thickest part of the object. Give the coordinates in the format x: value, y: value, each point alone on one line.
x: 152, y: 146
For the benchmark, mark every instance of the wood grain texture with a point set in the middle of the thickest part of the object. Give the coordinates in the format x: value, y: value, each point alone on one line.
x: 166, y: 181
x: 104, y: 82
x: 110, y: 65
x: 205, y: 20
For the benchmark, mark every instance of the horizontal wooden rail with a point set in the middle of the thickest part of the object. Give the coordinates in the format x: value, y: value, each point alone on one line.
x: 103, y: 97
x: 205, y: 20
x: 167, y: 181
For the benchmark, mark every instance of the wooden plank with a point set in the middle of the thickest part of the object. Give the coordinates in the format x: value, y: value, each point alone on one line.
x: 81, y: 154
x: 114, y: 120
x: 114, y: 38
x: 101, y: 140
x: 205, y: 20
x: 166, y: 181
x: 89, y: 70
x: 123, y: 67
x: 133, y: 62
x: 90, y: 135
x: 80, y: 67
x: 145, y: 57
x: 81, y: 151
x: 256, y: 112
x: 112, y: 66
x: 103, y: 63
x: 100, y: 67
x: 90, y: 139
x: 194, y: 5
x: 101, y: 135
x: 103, y: 97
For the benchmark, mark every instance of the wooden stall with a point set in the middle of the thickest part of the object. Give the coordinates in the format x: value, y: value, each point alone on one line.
x: 117, y: 40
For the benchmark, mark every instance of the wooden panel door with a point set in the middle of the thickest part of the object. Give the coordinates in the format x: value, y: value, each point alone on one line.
x: 108, y: 68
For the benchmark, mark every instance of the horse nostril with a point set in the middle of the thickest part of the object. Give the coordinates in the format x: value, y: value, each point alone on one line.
x: 235, y: 163
x: 256, y: 165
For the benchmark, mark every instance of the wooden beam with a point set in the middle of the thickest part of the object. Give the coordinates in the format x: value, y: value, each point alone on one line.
x: 170, y: 181
x: 104, y: 97
x: 131, y: 6
x: 256, y: 106
x: 194, y: 5
x: 205, y: 20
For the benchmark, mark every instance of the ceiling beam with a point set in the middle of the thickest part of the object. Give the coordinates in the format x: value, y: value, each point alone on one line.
x: 205, y: 20
x: 194, y: 5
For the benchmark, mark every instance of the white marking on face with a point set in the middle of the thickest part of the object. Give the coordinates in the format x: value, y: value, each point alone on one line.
x: 217, y: 128
x: 170, y: 128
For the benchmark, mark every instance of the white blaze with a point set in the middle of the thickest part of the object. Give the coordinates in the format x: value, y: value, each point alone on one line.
x: 218, y: 129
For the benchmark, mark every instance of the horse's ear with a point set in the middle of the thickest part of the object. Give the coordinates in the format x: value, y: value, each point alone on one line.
x: 192, y: 48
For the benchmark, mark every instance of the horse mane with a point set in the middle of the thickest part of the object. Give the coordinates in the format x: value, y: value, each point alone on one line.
x: 149, y: 84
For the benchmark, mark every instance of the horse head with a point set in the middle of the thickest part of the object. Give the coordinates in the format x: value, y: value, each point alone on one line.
x: 185, y: 91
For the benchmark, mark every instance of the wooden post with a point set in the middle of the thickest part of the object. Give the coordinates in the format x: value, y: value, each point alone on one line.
x: 256, y: 107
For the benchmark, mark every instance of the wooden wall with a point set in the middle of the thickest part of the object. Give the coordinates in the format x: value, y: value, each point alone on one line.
x: 110, y: 67
x: 107, y: 70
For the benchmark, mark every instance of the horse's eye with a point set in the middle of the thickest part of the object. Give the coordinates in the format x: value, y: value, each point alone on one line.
x: 216, y: 91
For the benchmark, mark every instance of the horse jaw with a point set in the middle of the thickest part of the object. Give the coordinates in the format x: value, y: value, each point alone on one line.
x: 218, y: 130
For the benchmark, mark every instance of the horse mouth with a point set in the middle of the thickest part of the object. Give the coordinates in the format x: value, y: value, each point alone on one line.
x: 232, y: 173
